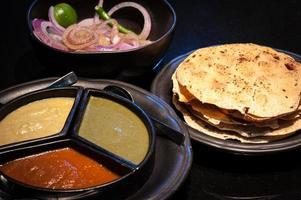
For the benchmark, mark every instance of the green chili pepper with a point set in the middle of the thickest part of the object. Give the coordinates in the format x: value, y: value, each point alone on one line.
x: 103, y: 15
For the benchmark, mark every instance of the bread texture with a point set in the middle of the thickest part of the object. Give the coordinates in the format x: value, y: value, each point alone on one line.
x: 254, y: 80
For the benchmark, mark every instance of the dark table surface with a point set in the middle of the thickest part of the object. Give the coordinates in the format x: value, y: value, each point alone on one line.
x: 214, y: 175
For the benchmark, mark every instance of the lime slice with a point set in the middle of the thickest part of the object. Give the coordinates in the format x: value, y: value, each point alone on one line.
x: 65, y: 15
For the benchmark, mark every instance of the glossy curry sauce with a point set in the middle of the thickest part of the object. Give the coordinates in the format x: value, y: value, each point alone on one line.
x: 37, y: 119
x: 59, y: 169
x: 115, y: 128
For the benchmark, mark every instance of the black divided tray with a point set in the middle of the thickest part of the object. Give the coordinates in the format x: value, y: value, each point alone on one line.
x: 172, y: 162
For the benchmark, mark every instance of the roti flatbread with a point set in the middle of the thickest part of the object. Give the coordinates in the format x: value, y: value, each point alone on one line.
x: 213, y: 113
x: 230, y: 116
x: 254, y: 80
x: 243, y: 135
x: 211, y: 131
x: 183, y: 94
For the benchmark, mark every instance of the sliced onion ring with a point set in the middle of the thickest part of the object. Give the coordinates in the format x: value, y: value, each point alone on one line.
x: 73, y: 40
x: 115, y: 47
x: 40, y: 31
x: 125, y: 46
x: 87, y: 22
x: 53, y: 20
x: 100, y: 3
x: 113, y: 34
x: 147, y: 19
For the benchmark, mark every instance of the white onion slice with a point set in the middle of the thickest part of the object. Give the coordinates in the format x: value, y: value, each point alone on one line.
x: 77, y: 37
x: 115, y: 39
x: 52, y: 30
x: 106, y: 48
x: 113, y: 33
x: 53, y: 20
x: 116, y: 47
x: 87, y: 22
x: 96, y: 18
x: 125, y: 46
x: 55, y: 37
x: 147, y: 19
x: 100, y: 3
x: 41, y: 32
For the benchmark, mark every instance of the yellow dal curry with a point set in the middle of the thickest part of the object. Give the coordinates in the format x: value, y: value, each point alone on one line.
x: 115, y: 128
x: 35, y: 120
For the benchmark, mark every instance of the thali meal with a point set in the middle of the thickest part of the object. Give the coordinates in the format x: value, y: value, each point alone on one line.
x: 97, y: 34
x: 68, y: 169
x: 115, y: 128
x: 37, y: 119
x: 243, y: 92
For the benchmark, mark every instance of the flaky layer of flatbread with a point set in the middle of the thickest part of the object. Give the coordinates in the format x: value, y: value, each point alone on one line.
x: 205, y: 128
x: 231, y: 116
x: 212, y: 113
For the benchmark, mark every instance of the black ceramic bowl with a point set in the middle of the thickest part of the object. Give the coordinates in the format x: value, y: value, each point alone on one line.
x: 109, y: 64
x: 132, y: 176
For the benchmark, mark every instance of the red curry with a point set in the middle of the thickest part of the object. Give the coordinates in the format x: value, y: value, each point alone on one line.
x: 59, y: 169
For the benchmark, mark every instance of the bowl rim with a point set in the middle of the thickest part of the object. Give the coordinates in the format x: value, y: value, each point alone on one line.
x: 165, y: 35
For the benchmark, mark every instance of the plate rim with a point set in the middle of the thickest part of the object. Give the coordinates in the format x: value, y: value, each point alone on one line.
x: 219, y: 144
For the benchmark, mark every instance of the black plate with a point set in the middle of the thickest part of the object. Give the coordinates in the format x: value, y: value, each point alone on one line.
x: 162, y: 87
x: 169, y: 171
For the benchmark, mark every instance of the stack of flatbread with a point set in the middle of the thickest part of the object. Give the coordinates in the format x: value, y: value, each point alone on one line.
x: 243, y: 92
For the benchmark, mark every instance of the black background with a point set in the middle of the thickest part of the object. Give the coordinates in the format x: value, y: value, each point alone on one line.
x: 200, y: 23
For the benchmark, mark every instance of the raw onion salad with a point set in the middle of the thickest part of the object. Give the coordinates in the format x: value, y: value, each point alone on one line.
x: 96, y: 34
